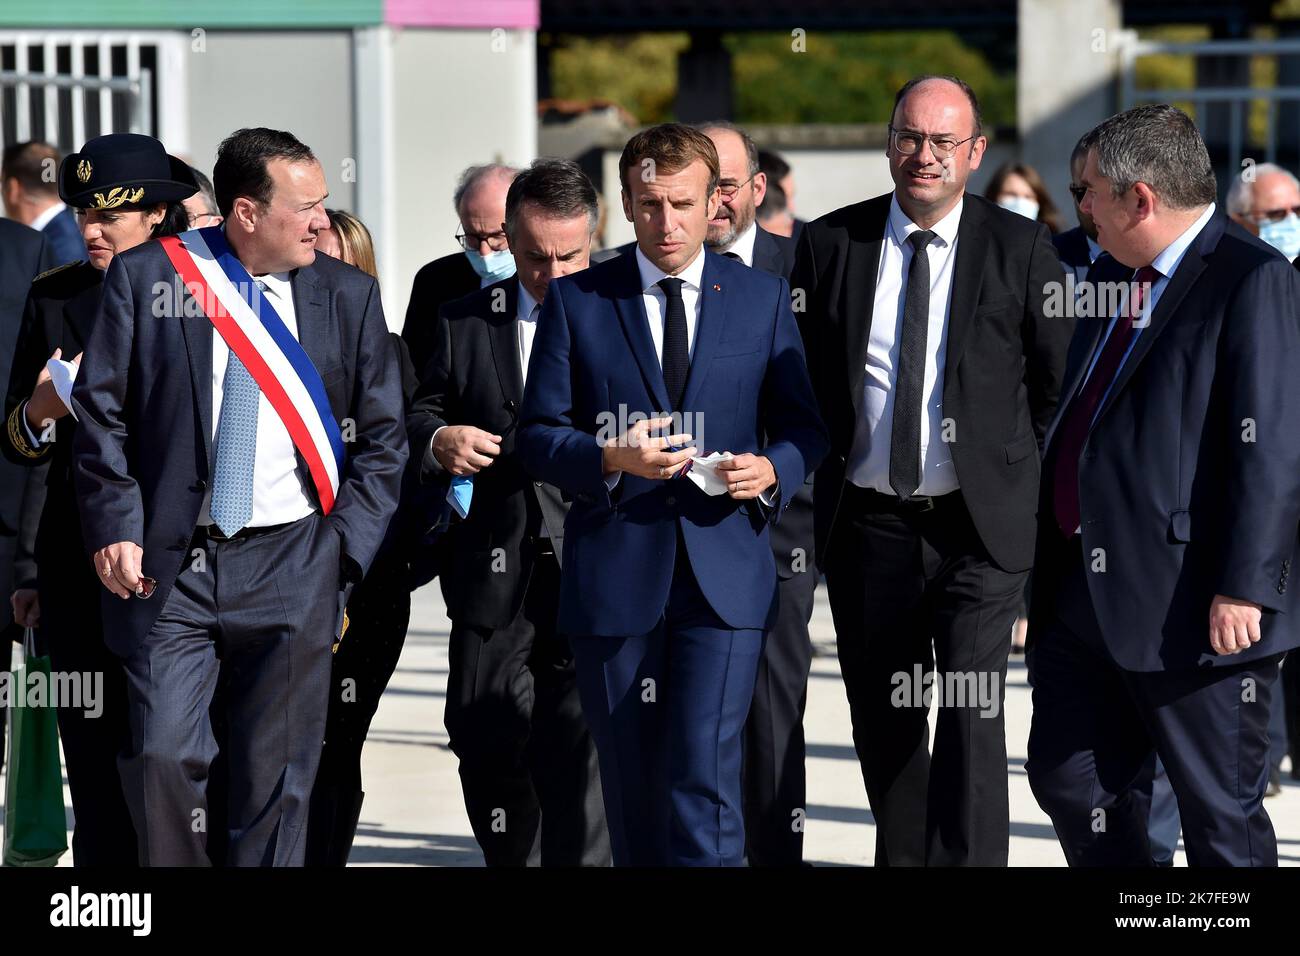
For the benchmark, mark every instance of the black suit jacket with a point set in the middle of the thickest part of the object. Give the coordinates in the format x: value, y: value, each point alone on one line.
x: 24, y: 254
x: 60, y: 313
x: 1072, y: 247
x: 142, y: 455
x: 438, y: 282
x: 1189, y: 482
x: 474, y: 378
x: 1005, y: 358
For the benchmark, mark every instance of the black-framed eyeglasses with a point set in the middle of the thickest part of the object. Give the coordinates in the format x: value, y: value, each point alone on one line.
x: 729, y: 190
x: 1078, y: 192
x: 470, y: 241
x: 908, y: 142
x: 1277, y: 215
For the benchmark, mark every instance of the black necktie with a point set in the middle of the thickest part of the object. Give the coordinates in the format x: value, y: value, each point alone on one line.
x: 905, y: 442
x: 733, y: 255
x: 676, y: 359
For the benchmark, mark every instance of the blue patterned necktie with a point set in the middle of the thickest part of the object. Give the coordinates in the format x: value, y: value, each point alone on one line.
x: 232, y: 478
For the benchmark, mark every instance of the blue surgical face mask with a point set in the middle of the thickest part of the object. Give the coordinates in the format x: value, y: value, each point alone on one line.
x: 493, y: 267
x: 1021, y: 205
x: 1284, y: 235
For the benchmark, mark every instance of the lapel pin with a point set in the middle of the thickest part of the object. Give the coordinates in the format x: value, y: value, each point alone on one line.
x: 716, y: 287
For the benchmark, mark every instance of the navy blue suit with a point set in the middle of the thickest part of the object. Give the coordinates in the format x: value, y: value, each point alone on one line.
x: 663, y: 583
x: 1189, y: 486
x: 231, y: 655
x: 66, y: 243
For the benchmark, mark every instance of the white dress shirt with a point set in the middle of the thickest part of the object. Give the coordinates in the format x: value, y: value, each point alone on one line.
x: 526, y: 327
x: 656, y: 300
x: 744, y: 245
x: 278, y: 493
x: 45, y: 218
x: 868, y: 465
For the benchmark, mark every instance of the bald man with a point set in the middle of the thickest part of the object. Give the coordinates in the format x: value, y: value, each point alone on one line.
x: 937, y: 374
x: 1265, y: 201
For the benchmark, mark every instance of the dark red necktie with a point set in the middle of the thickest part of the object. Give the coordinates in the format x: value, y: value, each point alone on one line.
x: 1076, y: 422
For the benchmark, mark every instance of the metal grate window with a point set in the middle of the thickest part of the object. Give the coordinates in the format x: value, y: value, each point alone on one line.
x: 65, y: 87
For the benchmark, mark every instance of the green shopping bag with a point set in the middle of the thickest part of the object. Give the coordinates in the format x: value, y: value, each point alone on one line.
x: 35, y: 827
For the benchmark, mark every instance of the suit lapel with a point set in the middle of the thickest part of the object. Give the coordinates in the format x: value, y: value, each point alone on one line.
x: 317, y: 331
x: 862, y: 264
x: 636, y: 327
x: 708, y: 329
x: 1184, y: 277
x: 766, y: 255
x: 967, y: 276
x: 503, y: 338
x: 198, y: 332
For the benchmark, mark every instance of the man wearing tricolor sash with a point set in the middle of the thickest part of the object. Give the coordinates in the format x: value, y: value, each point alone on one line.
x: 239, y: 458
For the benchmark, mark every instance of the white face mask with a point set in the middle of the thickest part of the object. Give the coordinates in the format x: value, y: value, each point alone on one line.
x: 1019, y: 204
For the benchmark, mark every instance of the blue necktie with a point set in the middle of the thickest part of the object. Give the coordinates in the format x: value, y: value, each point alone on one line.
x: 232, y: 480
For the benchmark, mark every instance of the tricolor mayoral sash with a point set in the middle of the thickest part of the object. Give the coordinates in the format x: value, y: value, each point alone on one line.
x: 254, y: 331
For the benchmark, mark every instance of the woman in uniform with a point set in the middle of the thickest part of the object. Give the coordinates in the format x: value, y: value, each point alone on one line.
x: 125, y: 190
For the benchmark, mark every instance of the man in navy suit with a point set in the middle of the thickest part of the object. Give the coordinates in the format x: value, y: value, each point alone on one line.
x: 1168, y: 517
x: 31, y: 196
x: 229, y: 565
x: 641, y: 364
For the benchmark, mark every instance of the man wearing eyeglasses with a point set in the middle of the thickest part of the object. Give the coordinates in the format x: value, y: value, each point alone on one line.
x: 1265, y: 201
x: 201, y: 208
x: 937, y: 373
x: 773, y: 777
x: 484, y: 256
x: 1078, y: 247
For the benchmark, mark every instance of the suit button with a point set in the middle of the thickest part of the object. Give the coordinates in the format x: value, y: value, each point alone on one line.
x: 200, y: 485
x: 670, y: 501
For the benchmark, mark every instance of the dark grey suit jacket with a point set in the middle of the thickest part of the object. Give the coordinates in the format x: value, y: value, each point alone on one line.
x: 474, y: 378
x: 142, y: 455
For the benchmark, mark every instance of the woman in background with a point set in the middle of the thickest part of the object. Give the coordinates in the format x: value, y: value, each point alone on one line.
x: 378, y: 613
x: 125, y: 191
x: 1018, y: 187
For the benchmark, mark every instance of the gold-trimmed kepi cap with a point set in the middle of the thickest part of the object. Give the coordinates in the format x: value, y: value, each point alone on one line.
x: 123, y: 169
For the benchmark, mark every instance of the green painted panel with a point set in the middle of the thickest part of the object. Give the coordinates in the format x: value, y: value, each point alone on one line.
x: 188, y: 14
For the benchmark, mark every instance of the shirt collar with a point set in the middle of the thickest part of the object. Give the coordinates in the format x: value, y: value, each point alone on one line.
x: 744, y: 244
x: 945, y: 228
x: 1094, y: 250
x: 524, y: 310
x: 45, y: 218
x: 1167, y: 262
x: 692, y: 274
x: 277, y: 284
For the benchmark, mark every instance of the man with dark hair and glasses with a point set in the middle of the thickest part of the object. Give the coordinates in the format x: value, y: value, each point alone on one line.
x: 937, y: 373
x: 484, y: 256
x: 1078, y: 247
x: 527, y: 763
x: 773, y: 776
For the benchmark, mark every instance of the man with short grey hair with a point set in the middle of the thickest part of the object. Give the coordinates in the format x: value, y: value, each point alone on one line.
x: 527, y: 763
x: 1168, y: 515
x: 1265, y: 201
x: 480, y: 201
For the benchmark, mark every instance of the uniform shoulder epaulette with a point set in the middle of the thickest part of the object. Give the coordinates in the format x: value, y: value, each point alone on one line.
x: 57, y: 269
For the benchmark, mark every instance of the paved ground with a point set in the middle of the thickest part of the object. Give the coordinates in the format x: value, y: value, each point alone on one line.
x: 413, y: 814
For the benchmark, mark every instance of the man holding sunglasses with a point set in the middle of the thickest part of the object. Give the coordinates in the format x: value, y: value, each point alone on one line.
x: 937, y: 374
x: 1265, y: 201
